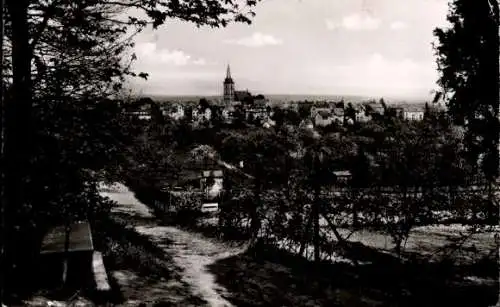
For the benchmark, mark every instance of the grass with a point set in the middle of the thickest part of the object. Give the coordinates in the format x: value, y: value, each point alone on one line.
x: 270, y: 277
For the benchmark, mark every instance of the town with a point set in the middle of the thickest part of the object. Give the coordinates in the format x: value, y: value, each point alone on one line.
x: 245, y: 107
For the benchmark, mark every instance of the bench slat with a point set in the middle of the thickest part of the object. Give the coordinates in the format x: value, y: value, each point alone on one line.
x: 100, y: 275
x: 80, y: 239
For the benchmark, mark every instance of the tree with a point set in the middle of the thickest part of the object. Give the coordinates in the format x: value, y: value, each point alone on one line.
x: 305, y: 110
x: 467, y: 56
x: 239, y: 116
x: 248, y: 100
x: 204, y: 104
x: 292, y: 117
x: 278, y: 116
x: 350, y: 112
x: 217, y: 118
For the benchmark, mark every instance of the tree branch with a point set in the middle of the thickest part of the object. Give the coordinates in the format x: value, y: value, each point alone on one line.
x: 49, y: 13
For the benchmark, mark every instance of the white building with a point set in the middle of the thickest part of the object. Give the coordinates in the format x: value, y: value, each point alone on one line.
x: 413, y: 113
x: 323, y: 119
x: 176, y: 112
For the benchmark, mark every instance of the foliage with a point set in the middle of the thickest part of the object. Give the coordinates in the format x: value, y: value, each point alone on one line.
x: 467, y: 56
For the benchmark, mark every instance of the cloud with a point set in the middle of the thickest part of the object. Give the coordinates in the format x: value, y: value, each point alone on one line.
x: 256, y: 40
x: 380, y: 75
x: 355, y: 22
x: 148, y: 51
x: 398, y: 25
x: 330, y: 24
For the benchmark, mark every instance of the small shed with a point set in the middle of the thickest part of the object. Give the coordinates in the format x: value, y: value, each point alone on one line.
x: 212, y: 173
x: 342, y: 177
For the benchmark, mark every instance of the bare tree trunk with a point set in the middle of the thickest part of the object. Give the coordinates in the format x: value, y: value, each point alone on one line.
x: 305, y: 235
x: 315, y: 216
x: 18, y: 127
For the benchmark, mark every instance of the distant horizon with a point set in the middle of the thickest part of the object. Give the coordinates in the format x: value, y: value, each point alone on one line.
x: 288, y: 97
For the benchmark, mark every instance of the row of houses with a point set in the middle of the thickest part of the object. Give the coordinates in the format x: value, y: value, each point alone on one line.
x: 257, y: 110
x: 251, y: 109
x: 327, y: 115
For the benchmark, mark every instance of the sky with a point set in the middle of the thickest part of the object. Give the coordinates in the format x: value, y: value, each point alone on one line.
x: 306, y: 47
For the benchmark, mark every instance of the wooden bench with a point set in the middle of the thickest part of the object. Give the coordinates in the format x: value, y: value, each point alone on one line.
x: 84, y: 265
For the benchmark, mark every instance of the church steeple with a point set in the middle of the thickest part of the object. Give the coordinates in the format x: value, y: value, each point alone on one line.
x: 228, y: 76
x: 228, y: 86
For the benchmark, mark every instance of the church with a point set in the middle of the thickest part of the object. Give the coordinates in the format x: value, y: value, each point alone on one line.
x: 230, y: 94
x: 254, y: 108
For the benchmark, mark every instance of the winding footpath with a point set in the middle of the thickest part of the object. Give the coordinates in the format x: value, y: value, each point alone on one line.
x: 191, y: 252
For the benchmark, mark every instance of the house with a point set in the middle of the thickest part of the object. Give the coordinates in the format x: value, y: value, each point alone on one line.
x: 361, y: 115
x: 413, y: 113
x: 141, y: 115
x: 338, y: 115
x: 257, y: 113
x: 323, y: 118
x: 371, y: 108
x: 178, y: 113
x: 141, y: 112
x: 201, y: 115
x: 306, y: 124
x: 316, y: 109
x: 175, y: 111
x: 211, y: 182
x: 342, y: 176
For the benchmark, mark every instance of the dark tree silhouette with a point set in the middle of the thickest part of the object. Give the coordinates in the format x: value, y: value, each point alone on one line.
x: 204, y: 104
x: 467, y: 56
x: 468, y: 61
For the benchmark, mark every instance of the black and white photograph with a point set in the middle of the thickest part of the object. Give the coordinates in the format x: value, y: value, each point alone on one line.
x: 239, y: 153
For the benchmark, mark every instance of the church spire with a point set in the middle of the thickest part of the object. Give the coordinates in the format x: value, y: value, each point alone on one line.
x: 228, y: 86
x: 228, y: 76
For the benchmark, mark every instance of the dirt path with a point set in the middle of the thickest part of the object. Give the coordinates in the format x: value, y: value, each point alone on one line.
x: 191, y: 252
